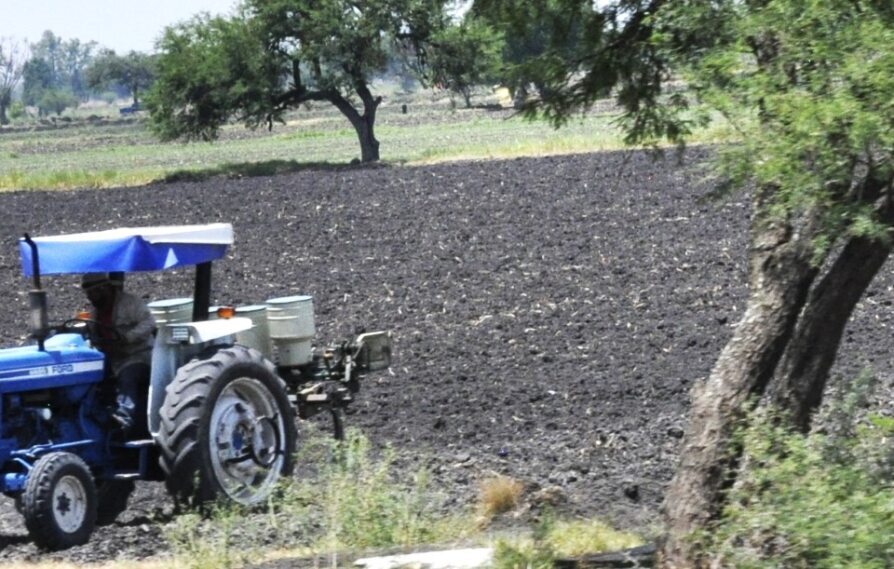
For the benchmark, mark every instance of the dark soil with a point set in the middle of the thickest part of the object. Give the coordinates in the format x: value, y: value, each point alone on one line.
x: 549, y: 315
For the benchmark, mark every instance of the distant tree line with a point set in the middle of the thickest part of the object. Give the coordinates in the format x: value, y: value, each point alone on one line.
x: 54, y: 74
x: 268, y: 57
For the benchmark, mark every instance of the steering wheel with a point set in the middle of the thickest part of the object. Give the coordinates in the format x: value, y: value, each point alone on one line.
x: 90, y: 329
x: 82, y: 326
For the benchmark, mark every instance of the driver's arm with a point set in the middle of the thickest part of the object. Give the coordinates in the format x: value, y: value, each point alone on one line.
x: 136, y: 323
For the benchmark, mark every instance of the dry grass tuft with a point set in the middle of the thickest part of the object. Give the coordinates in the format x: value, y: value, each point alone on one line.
x: 498, y: 495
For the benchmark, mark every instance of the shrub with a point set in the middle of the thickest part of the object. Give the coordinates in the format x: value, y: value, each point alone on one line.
x: 17, y: 110
x: 820, y: 500
x: 498, y: 495
x: 366, y: 506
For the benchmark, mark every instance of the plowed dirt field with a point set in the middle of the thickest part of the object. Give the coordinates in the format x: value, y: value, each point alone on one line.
x: 549, y: 315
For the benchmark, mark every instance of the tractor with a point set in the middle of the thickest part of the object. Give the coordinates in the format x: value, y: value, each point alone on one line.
x: 225, y: 389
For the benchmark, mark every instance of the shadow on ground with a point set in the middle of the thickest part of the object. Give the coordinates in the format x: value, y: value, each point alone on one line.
x: 259, y: 169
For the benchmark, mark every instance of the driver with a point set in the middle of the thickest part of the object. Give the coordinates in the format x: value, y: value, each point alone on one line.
x: 124, y: 333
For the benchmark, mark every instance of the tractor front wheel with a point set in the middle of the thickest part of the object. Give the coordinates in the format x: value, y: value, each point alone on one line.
x: 227, y: 429
x: 59, y: 501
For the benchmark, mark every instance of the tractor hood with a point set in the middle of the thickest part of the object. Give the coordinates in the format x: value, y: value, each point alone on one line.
x: 128, y: 249
x: 67, y: 360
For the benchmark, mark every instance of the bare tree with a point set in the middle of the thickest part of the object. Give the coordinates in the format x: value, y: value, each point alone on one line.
x: 13, y: 55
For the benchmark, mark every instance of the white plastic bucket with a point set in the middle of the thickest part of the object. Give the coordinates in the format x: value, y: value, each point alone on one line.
x: 291, y: 317
x: 290, y: 353
x: 259, y: 335
x: 292, y: 328
x: 171, y: 310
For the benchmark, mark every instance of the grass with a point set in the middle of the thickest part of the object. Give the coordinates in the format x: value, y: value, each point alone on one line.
x: 352, y: 502
x: 108, y: 155
x: 553, y: 540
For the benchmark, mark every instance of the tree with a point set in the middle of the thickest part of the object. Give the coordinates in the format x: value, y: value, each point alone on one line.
x: 56, y: 101
x: 807, y: 86
x: 135, y: 71
x: 38, y: 77
x: 275, y: 55
x: 12, y: 61
x: 465, y: 55
x: 65, y: 61
x: 529, y: 29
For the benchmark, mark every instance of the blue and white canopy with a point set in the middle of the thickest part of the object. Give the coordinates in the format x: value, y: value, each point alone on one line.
x: 128, y: 249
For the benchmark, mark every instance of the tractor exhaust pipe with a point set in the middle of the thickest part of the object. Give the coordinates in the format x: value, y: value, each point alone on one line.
x: 37, y: 297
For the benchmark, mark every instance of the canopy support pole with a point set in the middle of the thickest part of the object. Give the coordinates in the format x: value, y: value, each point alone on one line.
x: 202, y: 295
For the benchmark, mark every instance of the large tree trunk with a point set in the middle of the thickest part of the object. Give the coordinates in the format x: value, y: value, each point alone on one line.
x: 369, y: 146
x: 5, y: 100
x: 805, y: 367
x: 781, y: 273
x: 363, y: 124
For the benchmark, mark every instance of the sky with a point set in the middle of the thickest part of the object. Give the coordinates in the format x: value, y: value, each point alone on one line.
x: 122, y: 25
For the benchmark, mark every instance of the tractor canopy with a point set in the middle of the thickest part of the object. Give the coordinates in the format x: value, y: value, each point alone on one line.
x: 128, y: 249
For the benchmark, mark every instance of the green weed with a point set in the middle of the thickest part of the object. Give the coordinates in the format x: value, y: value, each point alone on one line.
x: 343, y: 499
x: 819, y: 500
x: 553, y: 539
x: 199, y: 543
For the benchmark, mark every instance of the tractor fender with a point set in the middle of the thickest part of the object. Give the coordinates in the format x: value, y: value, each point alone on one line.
x: 176, y: 344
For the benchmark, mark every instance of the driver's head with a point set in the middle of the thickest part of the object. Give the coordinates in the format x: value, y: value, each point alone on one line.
x: 99, y: 288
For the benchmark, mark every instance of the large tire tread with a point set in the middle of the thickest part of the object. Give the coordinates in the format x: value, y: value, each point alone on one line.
x: 181, y: 417
x: 37, y: 497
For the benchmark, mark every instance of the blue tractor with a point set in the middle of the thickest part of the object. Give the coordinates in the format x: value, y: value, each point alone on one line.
x: 220, y: 407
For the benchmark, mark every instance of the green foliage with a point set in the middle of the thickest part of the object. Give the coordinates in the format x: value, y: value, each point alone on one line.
x: 209, y: 68
x: 55, y: 101
x: 17, y: 110
x: 365, y: 506
x: 344, y: 500
x: 62, y: 64
x: 275, y: 55
x: 135, y: 71
x: 465, y: 55
x: 806, y: 84
x: 200, y: 544
x: 38, y: 77
x: 552, y: 539
x: 817, y: 501
x: 533, y: 32
x: 538, y: 553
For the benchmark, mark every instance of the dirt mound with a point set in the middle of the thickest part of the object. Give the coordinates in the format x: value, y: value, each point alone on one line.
x: 549, y: 315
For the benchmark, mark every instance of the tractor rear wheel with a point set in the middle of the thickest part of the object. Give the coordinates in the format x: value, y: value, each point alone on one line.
x: 59, y: 501
x: 227, y: 429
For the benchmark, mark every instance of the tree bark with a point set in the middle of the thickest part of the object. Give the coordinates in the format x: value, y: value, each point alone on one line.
x: 363, y: 124
x: 369, y: 146
x: 519, y: 97
x: 809, y: 357
x: 781, y: 273
x: 5, y: 100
